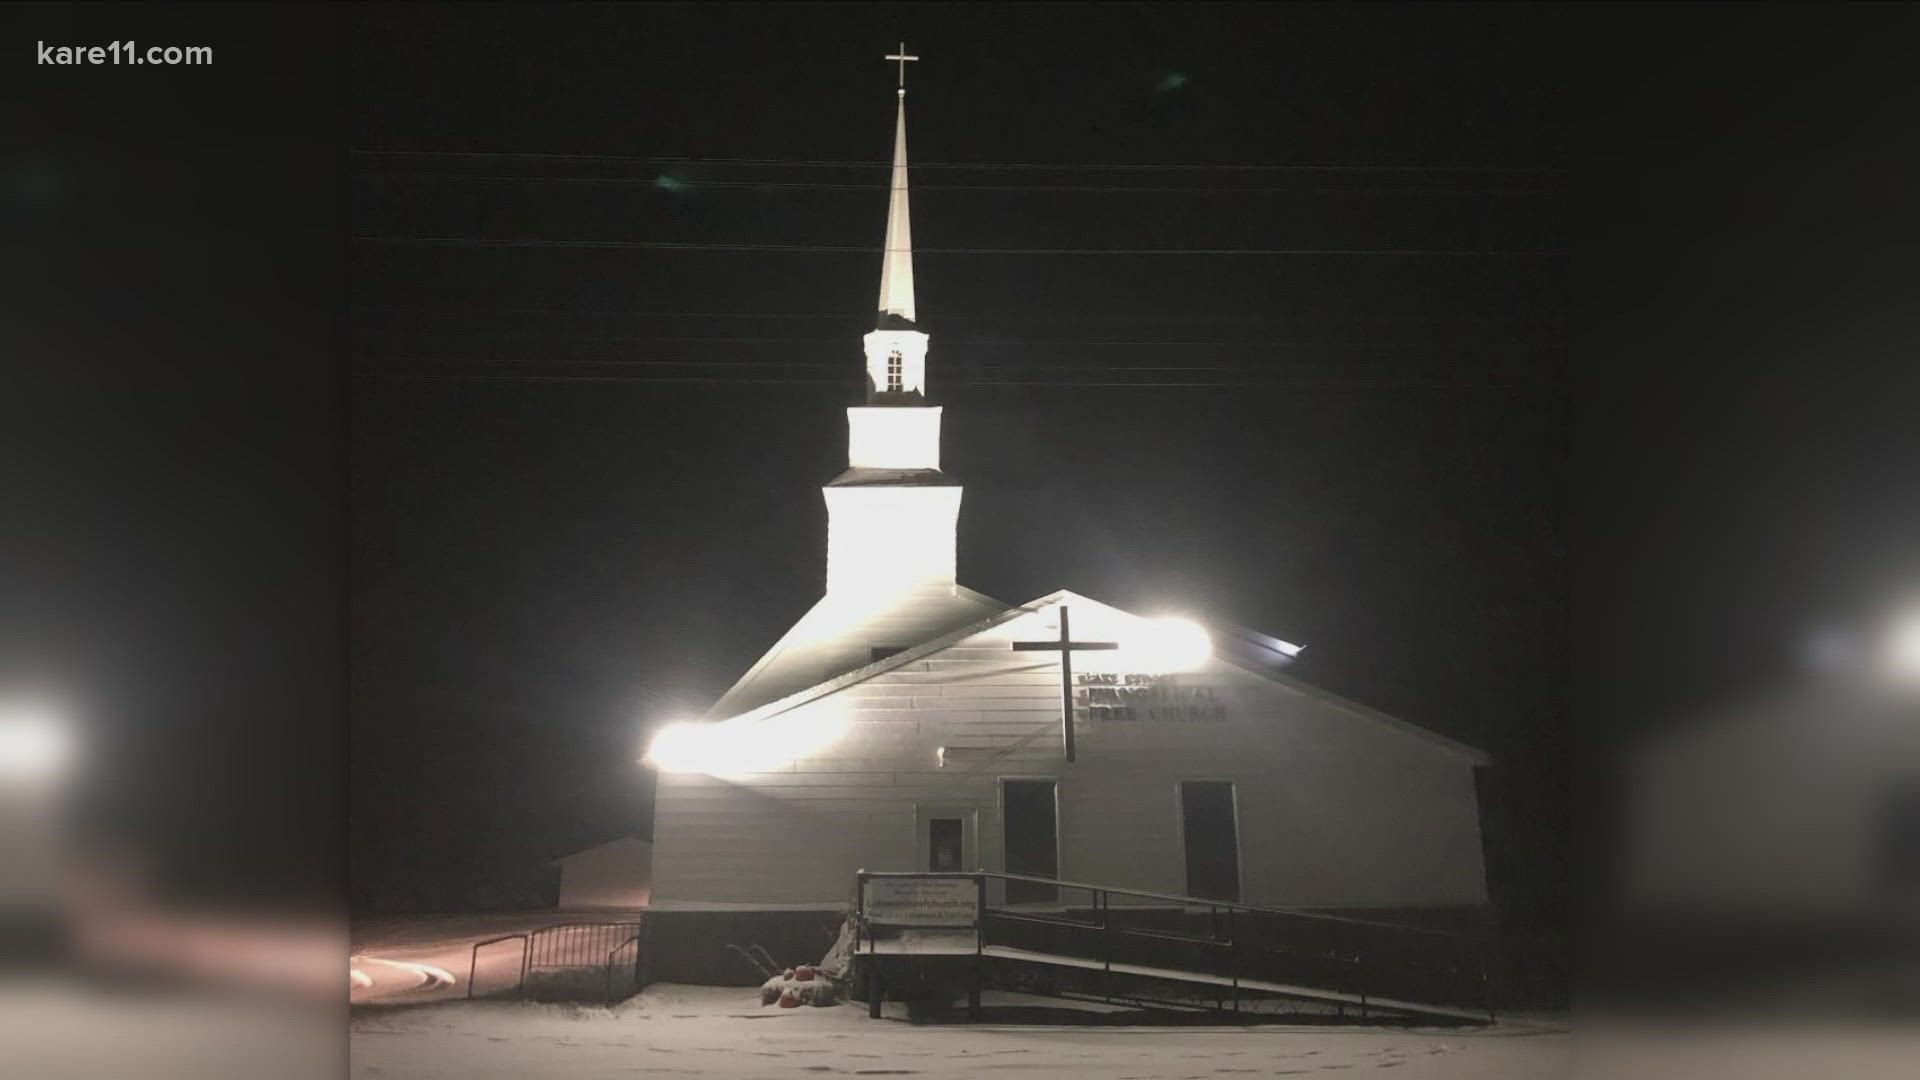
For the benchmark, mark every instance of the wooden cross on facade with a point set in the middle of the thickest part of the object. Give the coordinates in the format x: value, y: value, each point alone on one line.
x: 1066, y: 647
x: 903, y: 58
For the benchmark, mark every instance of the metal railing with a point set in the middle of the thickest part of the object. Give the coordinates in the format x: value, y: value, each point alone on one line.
x: 568, y: 961
x: 1246, y: 949
x: 563, y: 961
x: 616, y: 963
x: 519, y: 971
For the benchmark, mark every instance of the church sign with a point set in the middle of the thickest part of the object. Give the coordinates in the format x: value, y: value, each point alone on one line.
x: 1147, y: 697
x: 918, y: 901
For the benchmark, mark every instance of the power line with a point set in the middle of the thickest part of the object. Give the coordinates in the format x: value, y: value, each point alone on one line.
x: 853, y: 249
x: 971, y: 343
x: 1051, y: 315
x: 1276, y: 383
x: 1010, y: 315
x: 675, y: 184
x: 965, y: 165
x: 849, y: 371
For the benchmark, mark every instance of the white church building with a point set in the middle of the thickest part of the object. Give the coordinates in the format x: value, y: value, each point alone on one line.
x: 909, y: 723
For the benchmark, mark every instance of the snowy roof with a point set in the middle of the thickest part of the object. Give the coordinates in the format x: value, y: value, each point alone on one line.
x: 861, y: 477
x: 623, y: 841
x: 1249, y: 650
x: 834, y: 638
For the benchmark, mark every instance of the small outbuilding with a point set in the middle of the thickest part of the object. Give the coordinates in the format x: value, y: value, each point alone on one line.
x: 617, y: 874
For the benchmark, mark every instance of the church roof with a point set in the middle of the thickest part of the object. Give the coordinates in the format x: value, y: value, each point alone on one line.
x: 616, y: 842
x: 863, y: 477
x: 1248, y: 650
x: 836, y: 637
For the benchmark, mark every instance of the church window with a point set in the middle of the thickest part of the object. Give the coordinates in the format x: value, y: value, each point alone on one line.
x: 946, y: 844
x: 896, y: 371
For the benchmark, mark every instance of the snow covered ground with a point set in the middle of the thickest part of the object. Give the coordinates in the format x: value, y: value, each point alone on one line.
x: 702, y: 1031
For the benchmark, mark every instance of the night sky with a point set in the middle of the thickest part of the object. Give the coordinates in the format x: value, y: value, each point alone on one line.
x: 585, y: 469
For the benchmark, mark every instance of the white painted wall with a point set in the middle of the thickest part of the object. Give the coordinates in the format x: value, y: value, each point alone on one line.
x: 1336, y: 809
x: 883, y: 541
x: 893, y: 437
x: 617, y: 874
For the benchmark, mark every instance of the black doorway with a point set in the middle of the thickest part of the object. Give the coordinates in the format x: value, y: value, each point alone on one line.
x: 1212, y: 839
x: 1032, y: 839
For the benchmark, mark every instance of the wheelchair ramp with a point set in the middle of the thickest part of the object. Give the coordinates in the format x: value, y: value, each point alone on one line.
x: 921, y: 936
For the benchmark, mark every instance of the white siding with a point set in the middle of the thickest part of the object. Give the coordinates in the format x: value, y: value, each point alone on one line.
x: 1336, y: 809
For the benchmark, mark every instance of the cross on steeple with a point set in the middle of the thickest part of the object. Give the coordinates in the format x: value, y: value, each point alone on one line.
x: 1066, y: 647
x: 902, y: 57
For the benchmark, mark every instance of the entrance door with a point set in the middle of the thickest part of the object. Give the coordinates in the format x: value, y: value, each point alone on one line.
x: 945, y: 839
x: 1212, y: 839
x: 1032, y: 838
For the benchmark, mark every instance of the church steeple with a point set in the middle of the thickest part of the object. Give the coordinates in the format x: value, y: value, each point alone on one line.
x: 896, y: 267
x: 896, y: 349
x: 892, y: 516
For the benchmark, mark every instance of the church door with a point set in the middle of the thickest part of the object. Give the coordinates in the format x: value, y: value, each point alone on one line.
x: 1029, y: 813
x: 1210, y: 834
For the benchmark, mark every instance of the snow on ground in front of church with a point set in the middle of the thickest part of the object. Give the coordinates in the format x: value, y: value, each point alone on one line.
x: 700, y: 1031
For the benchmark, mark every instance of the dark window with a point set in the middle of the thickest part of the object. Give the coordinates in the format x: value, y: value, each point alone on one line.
x: 1212, y: 839
x: 896, y: 371
x: 943, y: 845
x: 1032, y: 839
x: 877, y: 653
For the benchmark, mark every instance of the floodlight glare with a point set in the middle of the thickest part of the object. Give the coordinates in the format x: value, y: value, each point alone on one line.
x: 1163, y: 646
x: 35, y: 743
x: 739, y: 748
x: 1903, y: 648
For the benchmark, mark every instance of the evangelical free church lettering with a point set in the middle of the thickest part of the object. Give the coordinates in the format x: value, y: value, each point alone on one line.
x: 1148, y: 697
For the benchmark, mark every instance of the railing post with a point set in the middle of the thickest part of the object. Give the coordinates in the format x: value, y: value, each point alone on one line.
x: 979, y: 914
x: 1213, y: 931
x: 979, y: 945
x: 1233, y: 960
x: 1105, y: 899
x: 1360, y: 977
x: 526, y: 962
